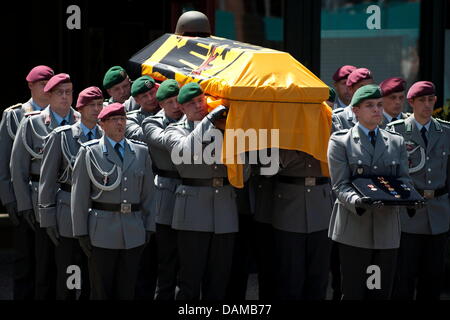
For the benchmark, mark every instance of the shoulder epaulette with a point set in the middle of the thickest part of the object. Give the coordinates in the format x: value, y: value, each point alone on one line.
x: 32, y: 113
x: 62, y: 128
x: 341, y: 132
x: 399, y: 121
x: 90, y: 142
x: 133, y: 112
x: 338, y: 110
x: 391, y: 132
x: 19, y: 105
x: 443, y: 121
x: 138, y: 142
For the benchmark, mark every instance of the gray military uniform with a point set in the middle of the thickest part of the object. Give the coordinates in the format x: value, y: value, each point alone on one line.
x: 27, y: 154
x: 59, y: 158
x: 134, y: 123
x: 207, y: 209
x: 349, y: 150
x: 430, y: 170
x: 153, y: 128
x: 298, y: 207
x: 385, y: 121
x: 130, y: 104
x: 8, y: 127
x: 343, y: 118
x: 112, y: 229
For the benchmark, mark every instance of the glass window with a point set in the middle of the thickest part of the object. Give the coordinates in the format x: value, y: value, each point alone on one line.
x: 258, y: 22
x: 382, y: 36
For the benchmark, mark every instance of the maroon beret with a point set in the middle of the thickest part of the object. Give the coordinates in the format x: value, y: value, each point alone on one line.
x: 56, y: 80
x: 358, y: 75
x: 87, y: 95
x: 343, y: 72
x: 392, y: 85
x: 40, y: 73
x: 114, y: 109
x: 421, y: 88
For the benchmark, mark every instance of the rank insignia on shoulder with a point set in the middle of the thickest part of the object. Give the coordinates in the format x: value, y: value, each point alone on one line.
x: 90, y: 142
x: 341, y: 132
x: 16, y: 106
x: 32, y: 113
x: 138, y: 142
x: 338, y: 110
x: 133, y: 112
x: 62, y: 128
x: 399, y: 121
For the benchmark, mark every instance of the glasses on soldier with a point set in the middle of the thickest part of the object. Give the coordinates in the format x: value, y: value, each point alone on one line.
x: 60, y: 92
x: 117, y: 119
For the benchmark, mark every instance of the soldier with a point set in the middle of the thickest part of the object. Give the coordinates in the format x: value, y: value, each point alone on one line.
x: 112, y: 189
x: 23, y: 236
x: 55, y: 187
x: 393, y: 90
x: 143, y: 91
x: 118, y: 85
x: 167, y: 180
x: 302, y: 206
x: 424, y: 236
x: 205, y: 213
x: 368, y: 233
x: 345, y: 118
x: 26, y: 161
x: 340, y: 84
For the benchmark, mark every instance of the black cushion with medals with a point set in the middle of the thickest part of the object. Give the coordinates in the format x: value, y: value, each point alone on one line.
x: 387, y: 189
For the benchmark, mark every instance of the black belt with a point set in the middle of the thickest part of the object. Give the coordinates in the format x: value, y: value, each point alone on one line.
x: 431, y: 194
x: 65, y: 187
x: 304, y: 181
x: 116, y: 207
x: 213, y: 182
x: 35, y: 177
x: 166, y: 173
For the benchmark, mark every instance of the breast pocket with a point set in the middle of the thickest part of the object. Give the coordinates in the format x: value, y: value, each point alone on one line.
x: 185, y: 202
x: 138, y: 176
x: 359, y: 166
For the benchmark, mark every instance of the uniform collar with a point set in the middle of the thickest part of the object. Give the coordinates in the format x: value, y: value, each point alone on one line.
x: 419, y: 126
x: 35, y: 106
x: 86, y: 130
x: 59, y: 119
x: 389, y: 118
x: 113, y: 143
x: 365, y: 130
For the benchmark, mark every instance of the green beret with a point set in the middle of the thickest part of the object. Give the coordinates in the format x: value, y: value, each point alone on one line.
x: 332, y: 96
x: 188, y: 92
x: 167, y: 89
x: 370, y: 91
x: 114, y: 76
x: 142, y: 85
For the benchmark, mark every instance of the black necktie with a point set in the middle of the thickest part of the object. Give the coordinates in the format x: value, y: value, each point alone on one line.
x: 63, y: 123
x: 423, y: 131
x: 372, y: 138
x: 394, y: 119
x: 117, y: 148
x: 89, y: 136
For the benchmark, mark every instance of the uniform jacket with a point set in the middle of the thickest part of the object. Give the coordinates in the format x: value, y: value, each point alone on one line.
x: 8, y: 127
x: 34, y: 130
x: 207, y: 209
x: 434, y: 218
x: 348, y: 150
x: 54, y: 203
x: 385, y: 121
x: 153, y: 134
x: 300, y: 208
x: 106, y: 229
x: 134, y: 123
x: 343, y: 118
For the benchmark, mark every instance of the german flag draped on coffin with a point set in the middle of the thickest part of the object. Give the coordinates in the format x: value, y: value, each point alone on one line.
x: 263, y: 88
